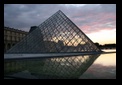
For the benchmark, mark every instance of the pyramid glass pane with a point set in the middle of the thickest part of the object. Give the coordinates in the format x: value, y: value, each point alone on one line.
x: 58, y: 34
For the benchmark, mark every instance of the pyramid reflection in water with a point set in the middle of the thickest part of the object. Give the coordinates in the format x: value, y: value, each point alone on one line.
x: 58, y: 34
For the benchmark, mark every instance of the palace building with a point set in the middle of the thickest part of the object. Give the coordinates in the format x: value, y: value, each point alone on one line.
x: 12, y: 36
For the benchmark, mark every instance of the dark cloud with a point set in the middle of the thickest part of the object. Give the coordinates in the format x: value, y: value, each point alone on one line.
x: 88, y: 18
x: 23, y: 16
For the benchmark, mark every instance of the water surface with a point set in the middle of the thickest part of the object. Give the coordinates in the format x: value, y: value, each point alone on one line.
x: 104, y: 67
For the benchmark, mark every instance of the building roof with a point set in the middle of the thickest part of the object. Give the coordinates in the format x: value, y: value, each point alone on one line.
x: 15, y: 30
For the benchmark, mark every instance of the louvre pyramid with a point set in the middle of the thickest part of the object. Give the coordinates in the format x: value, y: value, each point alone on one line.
x: 56, y: 34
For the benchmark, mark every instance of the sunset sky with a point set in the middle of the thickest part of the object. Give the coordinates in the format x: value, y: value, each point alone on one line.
x: 97, y: 21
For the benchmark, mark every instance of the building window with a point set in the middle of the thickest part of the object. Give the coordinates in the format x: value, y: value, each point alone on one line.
x: 17, y: 38
x: 13, y: 33
x: 8, y: 38
x: 16, y: 34
x: 23, y: 35
x: 8, y: 32
x: 13, y: 38
x: 20, y: 35
x: 20, y: 38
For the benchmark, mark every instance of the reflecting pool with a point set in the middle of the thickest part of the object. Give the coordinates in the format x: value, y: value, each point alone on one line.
x: 104, y: 67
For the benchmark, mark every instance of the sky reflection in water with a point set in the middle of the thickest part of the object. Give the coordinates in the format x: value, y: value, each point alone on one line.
x: 107, y: 59
x: 104, y: 67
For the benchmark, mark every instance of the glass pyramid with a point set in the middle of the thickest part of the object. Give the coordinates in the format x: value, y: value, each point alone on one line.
x: 57, y: 34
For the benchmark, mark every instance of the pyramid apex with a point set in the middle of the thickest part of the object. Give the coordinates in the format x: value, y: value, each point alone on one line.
x: 59, y: 11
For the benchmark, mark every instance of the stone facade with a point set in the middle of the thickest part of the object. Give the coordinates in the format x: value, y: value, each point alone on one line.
x: 12, y: 36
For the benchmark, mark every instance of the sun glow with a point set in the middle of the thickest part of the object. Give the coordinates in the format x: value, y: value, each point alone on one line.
x: 104, y: 36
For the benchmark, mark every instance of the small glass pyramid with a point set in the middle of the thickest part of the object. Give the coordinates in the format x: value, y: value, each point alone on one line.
x: 58, y: 34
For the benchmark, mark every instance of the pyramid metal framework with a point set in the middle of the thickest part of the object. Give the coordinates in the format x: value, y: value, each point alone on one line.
x: 57, y: 34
